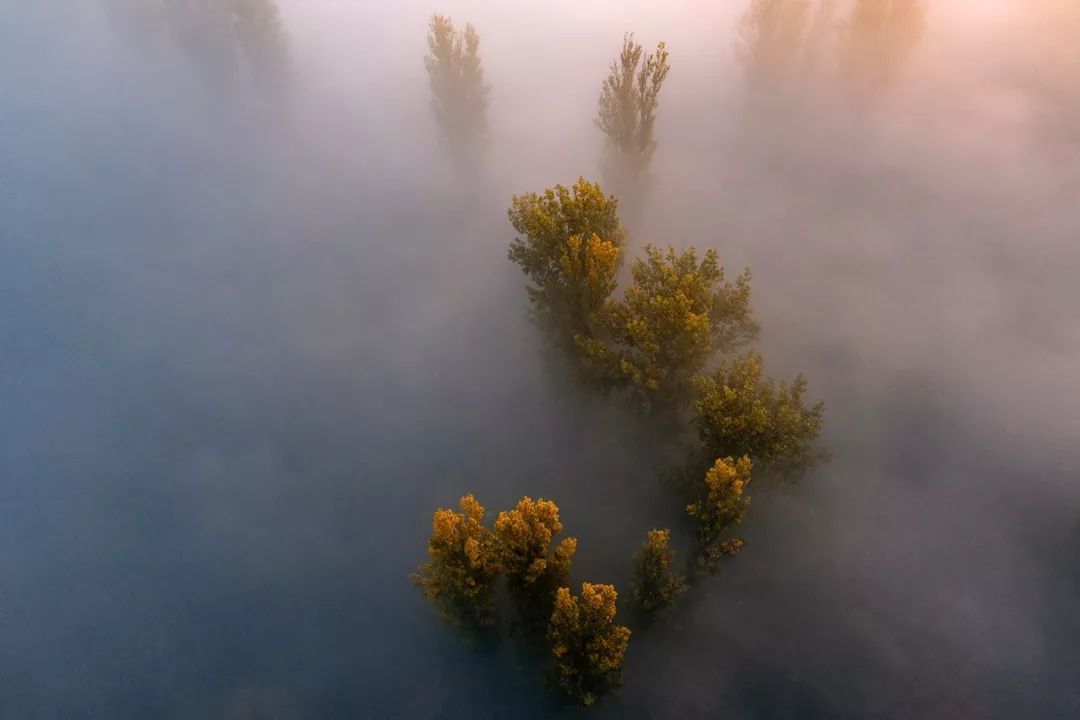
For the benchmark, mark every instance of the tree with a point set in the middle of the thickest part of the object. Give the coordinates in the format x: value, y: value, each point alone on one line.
x: 770, y: 38
x: 656, y: 586
x: 722, y: 505
x: 523, y: 539
x: 459, y: 95
x: 225, y: 40
x: 741, y: 412
x: 879, y: 35
x: 674, y: 316
x: 204, y: 31
x: 263, y: 41
x: 534, y: 570
x: 819, y: 37
x: 459, y: 577
x: 628, y: 104
x: 588, y: 647
x: 569, y: 247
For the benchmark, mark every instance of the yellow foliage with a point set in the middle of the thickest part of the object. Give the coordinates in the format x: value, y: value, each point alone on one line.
x: 656, y: 586
x: 742, y: 412
x: 523, y: 539
x: 569, y: 248
x: 587, y: 645
x: 723, y: 506
x: 460, y: 574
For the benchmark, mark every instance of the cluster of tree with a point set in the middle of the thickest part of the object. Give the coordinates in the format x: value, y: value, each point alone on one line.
x: 629, y: 100
x: 467, y: 560
x: 669, y: 344
x: 223, y: 39
x: 654, y: 345
x: 781, y: 41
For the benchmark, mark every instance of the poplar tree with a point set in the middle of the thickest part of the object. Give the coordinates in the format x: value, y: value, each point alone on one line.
x: 675, y: 315
x: 879, y: 36
x: 459, y: 94
x: 569, y: 246
x: 459, y: 577
x: 740, y: 411
x: 770, y: 38
x: 587, y: 645
x: 721, y: 506
x: 656, y: 585
x: 629, y: 101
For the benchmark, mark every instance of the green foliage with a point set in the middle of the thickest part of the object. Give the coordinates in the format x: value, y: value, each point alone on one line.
x: 656, y: 586
x: 459, y: 578
x: 587, y: 646
x: 627, y: 116
x: 674, y: 316
x: 770, y: 37
x: 741, y: 412
x: 459, y: 95
x: 879, y: 35
x: 721, y: 506
x: 569, y: 248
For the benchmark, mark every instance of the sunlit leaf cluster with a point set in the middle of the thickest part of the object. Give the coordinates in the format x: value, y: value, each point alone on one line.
x: 587, y: 645
x: 675, y: 315
x: 569, y: 246
x: 740, y: 411
x: 721, y: 507
x: 657, y: 584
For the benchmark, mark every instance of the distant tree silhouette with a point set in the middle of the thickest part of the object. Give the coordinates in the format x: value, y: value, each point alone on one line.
x: 459, y: 94
x: 224, y: 40
x: 628, y: 105
x: 264, y: 44
x: 878, y: 38
x: 205, y: 32
x: 770, y: 40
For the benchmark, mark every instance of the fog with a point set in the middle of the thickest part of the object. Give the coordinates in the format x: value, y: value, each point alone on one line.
x: 247, y: 345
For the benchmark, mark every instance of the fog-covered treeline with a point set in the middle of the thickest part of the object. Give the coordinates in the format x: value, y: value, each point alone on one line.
x: 259, y: 322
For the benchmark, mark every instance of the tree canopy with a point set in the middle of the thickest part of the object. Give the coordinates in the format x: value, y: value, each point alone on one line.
x: 587, y: 646
x: 656, y: 585
x: 770, y: 38
x: 629, y: 101
x: 675, y: 315
x: 523, y: 538
x: 721, y: 506
x: 264, y: 43
x: 740, y: 411
x: 569, y: 247
x: 879, y: 35
x: 459, y: 94
x: 460, y: 574
x: 225, y: 41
